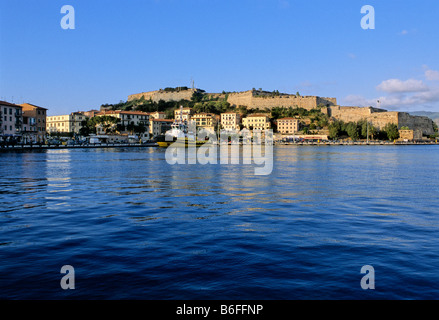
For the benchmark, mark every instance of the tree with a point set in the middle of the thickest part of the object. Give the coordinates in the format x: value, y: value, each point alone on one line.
x: 197, y: 96
x: 86, y: 130
x: 131, y: 127
x: 140, y: 128
x: 392, y: 131
x: 353, y: 130
x: 335, y: 129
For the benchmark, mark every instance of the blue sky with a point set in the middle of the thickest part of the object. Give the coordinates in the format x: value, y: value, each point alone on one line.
x: 315, y: 47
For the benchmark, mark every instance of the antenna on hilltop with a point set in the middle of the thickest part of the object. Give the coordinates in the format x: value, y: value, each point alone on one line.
x: 193, y: 84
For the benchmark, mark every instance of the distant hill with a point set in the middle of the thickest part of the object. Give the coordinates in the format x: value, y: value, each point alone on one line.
x: 431, y: 115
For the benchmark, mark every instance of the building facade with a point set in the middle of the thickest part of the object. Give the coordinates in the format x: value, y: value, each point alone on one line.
x: 206, y: 121
x: 126, y: 119
x: 410, y: 135
x: 69, y: 123
x: 159, y: 126
x: 230, y: 121
x: 184, y: 115
x: 157, y: 115
x: 34, y: 122
x: 288, y: 125
x: 11, y: 120
x: 256, y: 122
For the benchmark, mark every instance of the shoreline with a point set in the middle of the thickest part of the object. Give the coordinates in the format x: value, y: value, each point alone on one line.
x: 154, y: 145
x: 62, y: 147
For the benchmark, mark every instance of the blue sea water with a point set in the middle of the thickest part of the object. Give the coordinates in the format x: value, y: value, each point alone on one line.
x: 135, y: 227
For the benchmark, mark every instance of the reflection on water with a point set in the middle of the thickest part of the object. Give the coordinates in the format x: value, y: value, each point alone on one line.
x: 219, y: 231
x: 58, y: 172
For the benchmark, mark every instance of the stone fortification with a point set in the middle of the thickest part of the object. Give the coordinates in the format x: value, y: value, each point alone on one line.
x: 261, y: 100
x: 258, y: 99
x: 158, y: 95
x: 379, y: 118
x: 250, y: 99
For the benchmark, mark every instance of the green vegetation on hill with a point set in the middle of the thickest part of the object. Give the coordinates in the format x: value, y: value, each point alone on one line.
x: 358, y: 130
x: 199, y: 102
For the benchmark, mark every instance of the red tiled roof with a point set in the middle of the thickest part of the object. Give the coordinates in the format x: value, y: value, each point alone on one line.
x: 140, y: 113
x: 162, y: 120
x: 257, y: 115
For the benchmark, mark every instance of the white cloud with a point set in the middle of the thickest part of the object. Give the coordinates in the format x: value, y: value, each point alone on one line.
x: 403, y: 95
x: 404, y: 32
x: 399, y: 86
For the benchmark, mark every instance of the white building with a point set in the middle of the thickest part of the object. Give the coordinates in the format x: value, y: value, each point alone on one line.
x: 230, y: 121
x: 70, y: 123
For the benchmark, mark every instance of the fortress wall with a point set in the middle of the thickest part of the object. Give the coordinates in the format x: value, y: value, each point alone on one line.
x: 246, y: 98
x: 326, y: 101
x: 156, y: 96
x: 380, y: 119
x: 423, y: 124
x: 249, y: 100
x: 349, y: 114
x: 286, y: 101
x: 240, y: 98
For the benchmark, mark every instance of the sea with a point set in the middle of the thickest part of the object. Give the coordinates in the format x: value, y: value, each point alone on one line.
x: 329, y: 222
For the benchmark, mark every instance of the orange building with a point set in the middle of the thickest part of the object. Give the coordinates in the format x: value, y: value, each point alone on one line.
x: 34, y: 121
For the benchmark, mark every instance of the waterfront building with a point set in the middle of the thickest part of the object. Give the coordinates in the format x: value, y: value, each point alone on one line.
x: 159, y: 126
x: 257, y: 122
x: 184, y: 114
x: 157, y: 115
x: 128, y: 118
x: 410, y: 135
x: 90, y: 114
x: 230, y: 121
x: 11, y: 120
x: 34, y: 122
x: 70, y: 123
x: 206, y: 121
x: 288, y: 125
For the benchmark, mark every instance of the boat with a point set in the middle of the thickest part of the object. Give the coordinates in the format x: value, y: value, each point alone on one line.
x: 179, y: 136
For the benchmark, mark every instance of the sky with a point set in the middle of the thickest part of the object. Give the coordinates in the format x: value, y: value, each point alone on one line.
x: 315, y: 47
